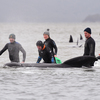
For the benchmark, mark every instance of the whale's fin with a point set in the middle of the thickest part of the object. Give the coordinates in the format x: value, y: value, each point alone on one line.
x: 71, y: 38
x: 81, y: 38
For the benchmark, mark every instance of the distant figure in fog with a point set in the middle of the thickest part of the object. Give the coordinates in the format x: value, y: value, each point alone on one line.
x: 13, y: 49
x: 45, y: 53
x: 89, y: 48
x: 50, y: 43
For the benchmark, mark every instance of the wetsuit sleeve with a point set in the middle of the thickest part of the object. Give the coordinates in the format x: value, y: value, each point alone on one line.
x: 51, y: 55
x: 39, y: 59
x: 4, y: 49
x: 23, y: 51
x: 92, y: 48
x: 55, y: 47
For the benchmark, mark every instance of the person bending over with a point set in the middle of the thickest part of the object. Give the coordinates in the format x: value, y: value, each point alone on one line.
x: 45, y: 53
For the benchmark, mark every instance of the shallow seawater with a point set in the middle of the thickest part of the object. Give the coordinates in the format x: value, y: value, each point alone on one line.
x: 49, y: 83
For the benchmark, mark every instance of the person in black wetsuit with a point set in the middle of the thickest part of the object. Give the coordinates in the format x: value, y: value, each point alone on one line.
x: 45, y: 53
x: 13, y: 49
x: 50, y: 43
x: 89, y: 48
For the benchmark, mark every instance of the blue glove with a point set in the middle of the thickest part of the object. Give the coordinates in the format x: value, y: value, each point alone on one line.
x: 39, y: 59
x: 52, y: 60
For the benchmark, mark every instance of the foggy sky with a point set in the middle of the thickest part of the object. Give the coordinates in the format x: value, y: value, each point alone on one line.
x: 47, y: 10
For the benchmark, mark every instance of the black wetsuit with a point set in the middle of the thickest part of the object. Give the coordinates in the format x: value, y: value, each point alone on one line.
x: 90, y: 48
x: 13, y: 49
x: 52, y: 45
x: 47, y: 56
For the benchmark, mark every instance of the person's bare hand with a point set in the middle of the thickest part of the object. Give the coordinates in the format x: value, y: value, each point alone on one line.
x: 55, y: 56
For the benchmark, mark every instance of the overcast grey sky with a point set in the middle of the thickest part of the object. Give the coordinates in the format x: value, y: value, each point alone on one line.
x: 47, y: 10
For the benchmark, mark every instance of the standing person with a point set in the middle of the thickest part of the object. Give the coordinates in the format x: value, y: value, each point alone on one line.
x: 50, y: 43
x: 45, y: 53
x: 13, y: 49
x: 89, y: 44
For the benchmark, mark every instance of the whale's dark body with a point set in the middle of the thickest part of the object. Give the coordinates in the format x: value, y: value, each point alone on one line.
x: 77, y: 62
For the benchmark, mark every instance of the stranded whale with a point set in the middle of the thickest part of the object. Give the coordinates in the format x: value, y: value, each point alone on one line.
x: 77, y: 62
